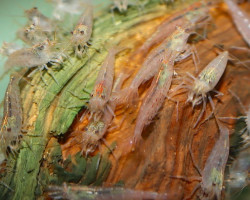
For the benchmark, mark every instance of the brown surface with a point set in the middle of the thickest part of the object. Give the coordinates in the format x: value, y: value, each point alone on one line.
x: 164, y: 149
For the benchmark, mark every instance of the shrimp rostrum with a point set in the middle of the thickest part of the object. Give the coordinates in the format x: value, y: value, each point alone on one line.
x: 205, y: 83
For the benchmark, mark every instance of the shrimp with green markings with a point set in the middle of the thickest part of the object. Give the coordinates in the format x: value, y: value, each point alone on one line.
x: 212, y: 176
x: 154, y: 97
x: 205, y: 83
x: 94, y: 132
x: 176, y: 45
x: 177, y: 42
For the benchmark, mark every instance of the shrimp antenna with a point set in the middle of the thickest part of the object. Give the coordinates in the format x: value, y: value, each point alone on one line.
x: 238, y: 99
x: 221, y: 48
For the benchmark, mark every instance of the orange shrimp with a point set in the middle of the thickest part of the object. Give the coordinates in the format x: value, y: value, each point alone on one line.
x: 103, y: 86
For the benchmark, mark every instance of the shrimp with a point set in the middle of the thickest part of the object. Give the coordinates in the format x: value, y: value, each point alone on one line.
x: 11, y: 124
x: 31, y: 35
x: 176, y: 42
x: 36, y: 17
x: 103, y: 85
x: 8, y: 48
x: 101, y: 193
x: 211, y: 180
x: 95, y: 130
x: 37, y: 55
x: 205, y: 83
x: 187, y: 18
x: 154, y: 97
x: 241, y: 20
x: 82, y: 32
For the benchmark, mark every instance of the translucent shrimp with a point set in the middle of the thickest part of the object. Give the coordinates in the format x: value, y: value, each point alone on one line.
x: 63, y: 7
x: 32, y: 34
x: 95, y: 130
x: 82, y: 32
x: 155, y: 96
x: 8, y: 48
x: 190, y: 17
x: 101, y: 193
x: 213, y: 172
x: 241, y: 20
x: 206, y: 82
x: 212, y: 176
x: 38, y: 55
x: 176, y: 42
x: 103, y: 86
x: 11, y: 124
x: 36, y: 17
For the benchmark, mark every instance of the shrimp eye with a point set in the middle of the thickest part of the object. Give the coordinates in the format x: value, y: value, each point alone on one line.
x: 91, y: 95
x: 96, y: 132
x: 71, y: 32
x: 82, y: 32
x: 103, y: 96
x: 41, y: 47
